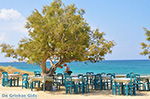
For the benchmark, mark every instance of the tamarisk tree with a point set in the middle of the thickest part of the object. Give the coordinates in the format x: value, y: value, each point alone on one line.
x: 146, y: 46
x: 59, y: 34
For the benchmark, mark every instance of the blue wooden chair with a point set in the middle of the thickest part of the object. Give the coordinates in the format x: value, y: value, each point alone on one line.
x: 25, y: 83
x: 116, y: 88
x: 36, y: 74
x: 88, y: 73
x: 97, y: 82
x: 130, y: 88
x: 66, y: 75
x: 103, y: 73
x: 105, y: 82
x: 92, y: 73
x: 77, y: 85
x: 84, y: 85
x: 16, y: 81
x: 110, y: 81
x: 69, y: 85
x: 148, y: 85
x: 80, y: 75
x: 5, y: 80
x: 140, y: 85
x: 91, y: 77
x: 58, y: 80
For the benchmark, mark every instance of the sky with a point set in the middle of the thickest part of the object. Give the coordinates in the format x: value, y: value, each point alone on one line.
x: 121, y: 20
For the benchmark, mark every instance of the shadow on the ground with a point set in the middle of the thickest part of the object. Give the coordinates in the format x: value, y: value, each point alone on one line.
x: 93, y: 92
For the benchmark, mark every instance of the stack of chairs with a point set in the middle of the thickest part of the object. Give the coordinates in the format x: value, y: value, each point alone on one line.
x: 84, y: 85
x: 91, y: 77
x: 36, y: 74
x: 116, y: 88
x: 140, y: 85
x: 5, y: 80
x: 69, y: 85
x: 58, y: 80
x: 104, y: 81
x: 16, y: 81
x: 97, y: 82
x: 25, y: 83
x: 110, y: 81
x: 127, y: 89
x: 130, y: 88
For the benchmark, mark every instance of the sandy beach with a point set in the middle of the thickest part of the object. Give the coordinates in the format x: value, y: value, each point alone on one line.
x: 14, y: 92
x: 104, y: 94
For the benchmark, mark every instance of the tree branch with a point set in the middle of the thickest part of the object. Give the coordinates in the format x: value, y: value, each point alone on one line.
x: 51, y: 62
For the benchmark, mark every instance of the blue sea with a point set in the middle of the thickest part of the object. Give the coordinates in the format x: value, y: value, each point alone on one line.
x: 108, y: 66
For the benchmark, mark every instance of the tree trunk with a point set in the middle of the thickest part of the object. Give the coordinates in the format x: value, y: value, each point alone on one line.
x: 52, y: 70
x: 54, y: 67
x: 43, y: 66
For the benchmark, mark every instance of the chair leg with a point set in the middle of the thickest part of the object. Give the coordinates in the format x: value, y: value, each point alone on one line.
x: 76, y: 89
x: 59, y: 87
x: 18, y: 82
x: 113, y: 90
x: 14, y: 82
x: 70, y: 90
x: 66, y: 90
x: 39, y: 84
x: 10, y: 82
x: 43, y: 86
x: 83, y: 90
x: 119, y: 92
x: 126, y: 90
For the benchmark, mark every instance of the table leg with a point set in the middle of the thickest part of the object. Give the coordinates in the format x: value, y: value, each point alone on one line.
x: 122, y: 89
x: 126, y: 90
x: 14, y: 80
x: 17, y: 81
x: 10, y: 82
x: 134, y: 89
x: 148, y: 84
x: 44, y: 86
x: 31, y: 86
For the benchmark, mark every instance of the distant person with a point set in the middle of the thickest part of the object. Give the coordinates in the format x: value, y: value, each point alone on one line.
x: 67, y: 69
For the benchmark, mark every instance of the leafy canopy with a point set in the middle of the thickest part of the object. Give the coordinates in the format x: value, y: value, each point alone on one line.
x: 59, y: 33
x: 146, y: 46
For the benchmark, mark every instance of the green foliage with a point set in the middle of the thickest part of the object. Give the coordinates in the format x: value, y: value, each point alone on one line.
x: 60, y: 33
x: 146, y: 47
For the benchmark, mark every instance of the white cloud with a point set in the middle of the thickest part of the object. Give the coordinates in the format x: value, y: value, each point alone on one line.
x: 9, y: 14
x: 11, y: 26
x: 2, y: 37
